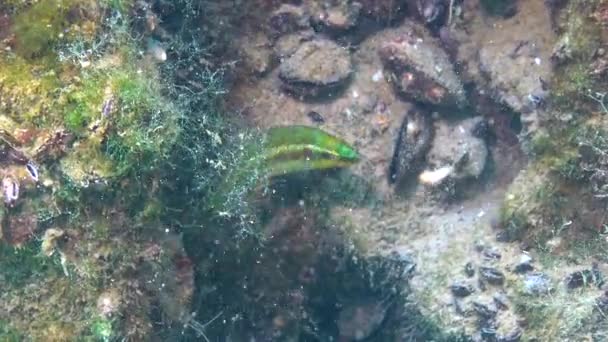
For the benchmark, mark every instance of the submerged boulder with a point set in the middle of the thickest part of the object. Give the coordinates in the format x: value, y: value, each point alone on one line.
x: 316, y: 67
x: 419, y: 68
x: 456, y: 152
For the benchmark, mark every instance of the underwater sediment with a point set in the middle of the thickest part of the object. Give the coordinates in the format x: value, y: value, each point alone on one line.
x: 303, y: 170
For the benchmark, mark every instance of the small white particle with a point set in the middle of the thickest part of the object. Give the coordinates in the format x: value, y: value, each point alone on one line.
x: 377, y: 77
x: 537, y: 61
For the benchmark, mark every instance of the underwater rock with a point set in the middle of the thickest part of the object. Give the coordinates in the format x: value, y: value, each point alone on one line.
x: 430, y: 12
x: 288, y: 19
x: 500, y: 300
x: 411, y: 146
x: 419, y: 69
x: 288, y: 44
x: 383, y: 11
x: 492, y: 275
x: 524, y: 265
x: 469, y: 269
x: 503, y: 8
x: 109, y: 303
x: 336, y: 18
x: 517, y: 66
x: 315, y: 117
x: 486, y: 311
x: 50, y: 240
x: 358, y: 321
x: 457, y: 150
x: 20, y: 228
x: 460, y: 289
x: 537, y: 284
x: 491, y: 254
x: 316, y: 68
x: 584, y: 278
x: 513, y: 336
x: 488, y: 333
x: 255, y: 53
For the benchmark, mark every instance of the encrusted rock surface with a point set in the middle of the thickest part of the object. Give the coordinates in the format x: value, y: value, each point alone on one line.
x: 419, y: 68
x: 317, y: 66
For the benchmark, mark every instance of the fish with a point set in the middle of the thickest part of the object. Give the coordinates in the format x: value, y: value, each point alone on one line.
x: 290, y: 149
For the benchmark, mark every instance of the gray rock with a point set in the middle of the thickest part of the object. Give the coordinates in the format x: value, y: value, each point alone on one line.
x: 524, y: 265
x: 492, y: 275
x: 584, y: 278
x: 431, y: 12
x: 513, y: 336
x: 288, y: 19
x: 317, y: 67
x: 486, y: 311
x: 461, y: 289
x: 336, y: 18
x: 358, y: 321
x: 256, y: 53
x: 288, y: 44
x: 419, y: 68
x: 537, y: 284
x: 455, y: 147
x: 469, y: 269
x: 501, y: 300
x: 384, y: 11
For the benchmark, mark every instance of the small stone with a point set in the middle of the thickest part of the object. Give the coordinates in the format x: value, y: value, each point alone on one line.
x: 481, y: 284
x: 513, y: 336
x: 492, y: 275
x: 469, y: 269
x: 501, y: 301
x: 316, y: 68
x: 584, y: 278
x: 537, y: 284
x: 484, y: 310
x: 524, y: 265
x: 602, y: 302
x: 338, y: 18
x: 287, y: 19
x: 50, y: 240
x: 460, y: 289
x: 454, y: 146
x: 315, y: 117
x: 488, y: 334
x: 491, y: 254
x: 407, y: 55
x: 357, y: 321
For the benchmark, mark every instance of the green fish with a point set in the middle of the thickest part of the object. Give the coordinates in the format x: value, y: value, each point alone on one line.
x: 291, y: 149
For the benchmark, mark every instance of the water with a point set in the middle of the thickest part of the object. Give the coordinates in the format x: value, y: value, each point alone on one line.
x: 199, y: 170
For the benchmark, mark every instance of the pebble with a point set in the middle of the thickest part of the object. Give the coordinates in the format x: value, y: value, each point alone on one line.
x: 513, y: 336
x: 315, y: 117
x: 492, y: 275
x: 469, y: 269
x: 461, y: 289
x: 537, y: 284
x: 501, y: 301
x: 484, y: 310
x: 584, y: 278
x: 524, y: 265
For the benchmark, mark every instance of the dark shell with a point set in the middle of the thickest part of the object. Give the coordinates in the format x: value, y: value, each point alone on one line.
x: 412, y: 144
